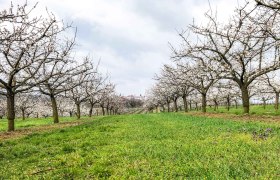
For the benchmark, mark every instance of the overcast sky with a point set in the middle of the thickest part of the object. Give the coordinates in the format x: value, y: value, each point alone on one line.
x: 130, y: 36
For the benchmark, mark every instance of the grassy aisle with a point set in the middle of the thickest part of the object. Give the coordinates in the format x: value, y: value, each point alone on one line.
x: 32, y: 122
x: 147, y: 146
x: 254, y: 110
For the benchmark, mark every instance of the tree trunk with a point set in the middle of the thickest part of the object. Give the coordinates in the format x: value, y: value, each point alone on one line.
x: 54, y: 109
x: 215, y: 104
x: 90, y: 110
x: 175, y: 105
x: 103, y: 111
x: 276, y: 106
x: 78, y: 110
x: 264, y: 103
x: 185, y: 103
x: 163, y: 108
x: 11, y: 110
x: 236, y: 104
x: 204, y: 104
x: 228, y: 102
x: 23, y: 114
x: 190, y: 105
x: 168, y: 107
x: 107, y: 110
x: 245, y: 100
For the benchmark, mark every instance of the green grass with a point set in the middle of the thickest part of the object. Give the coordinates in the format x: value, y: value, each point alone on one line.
x: 147, y: 146
x: 32, y: 122
x: 254, y: 109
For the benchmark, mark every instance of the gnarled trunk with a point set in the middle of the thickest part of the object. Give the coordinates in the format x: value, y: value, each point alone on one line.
x: 185, y: 103
x: 175, y: 104
x: 78, y: 114
x: 228, y: 102
x: 54, y: 109
x: 90, y: 110
x: 204, y: 103
x: 11, y: 110
x: 245, y: 100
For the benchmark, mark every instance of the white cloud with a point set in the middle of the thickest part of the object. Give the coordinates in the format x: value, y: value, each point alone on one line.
x: 130, y: 36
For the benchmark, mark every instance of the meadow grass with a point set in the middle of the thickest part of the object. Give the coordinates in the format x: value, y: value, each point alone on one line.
x: 147, y: 146
x: 32, y: 122
x: 254, y: 109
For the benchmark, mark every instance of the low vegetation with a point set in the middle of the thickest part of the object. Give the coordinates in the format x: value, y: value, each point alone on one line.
x: 32, y: 122
x: 269, y: 110
x: 164, y: 145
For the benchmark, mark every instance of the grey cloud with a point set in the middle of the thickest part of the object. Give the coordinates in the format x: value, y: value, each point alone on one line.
x: 133, y: 41
x: 169, y: 15
x: 100, y: 39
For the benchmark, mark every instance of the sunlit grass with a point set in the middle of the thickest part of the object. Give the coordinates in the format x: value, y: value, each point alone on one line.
x: 254, y: 109
x: 32, y: 122
x: 147, y: 146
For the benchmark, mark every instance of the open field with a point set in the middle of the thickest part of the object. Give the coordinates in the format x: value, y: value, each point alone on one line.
x: 147, y: 146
